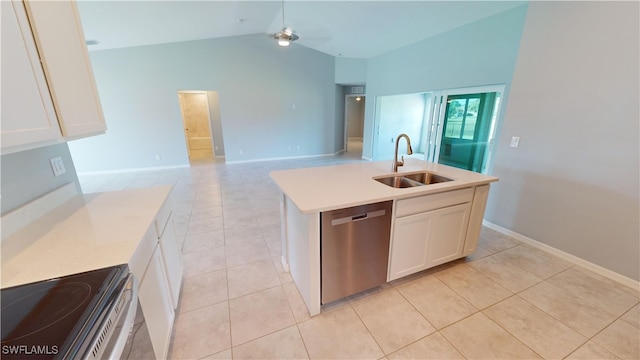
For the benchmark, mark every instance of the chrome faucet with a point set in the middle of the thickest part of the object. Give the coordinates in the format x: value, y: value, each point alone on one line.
x: 397, y: 163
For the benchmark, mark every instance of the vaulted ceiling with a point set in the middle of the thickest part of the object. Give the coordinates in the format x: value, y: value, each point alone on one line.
x: 359, y: 29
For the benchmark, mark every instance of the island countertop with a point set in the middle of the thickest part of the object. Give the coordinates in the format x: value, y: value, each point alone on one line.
x: 88, y: 232
x: 328, y: 188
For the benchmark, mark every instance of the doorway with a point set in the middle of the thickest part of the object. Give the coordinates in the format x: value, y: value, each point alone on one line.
x: 194, y: 106
x: 467, y: 121
x: 354, y: 124
x: 463, y: 126
x: 454, y: 127
x: 401, y: 114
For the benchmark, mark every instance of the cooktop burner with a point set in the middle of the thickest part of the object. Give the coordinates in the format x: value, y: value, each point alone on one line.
x: 50, y: 319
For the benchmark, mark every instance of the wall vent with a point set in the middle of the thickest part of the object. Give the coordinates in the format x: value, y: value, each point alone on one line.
x: 357, y: 89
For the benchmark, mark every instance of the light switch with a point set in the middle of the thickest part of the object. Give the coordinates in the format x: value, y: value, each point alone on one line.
x: 57, y: 165
x: 515, y: 141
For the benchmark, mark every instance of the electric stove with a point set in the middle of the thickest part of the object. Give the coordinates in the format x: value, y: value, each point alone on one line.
x: 57, y: 318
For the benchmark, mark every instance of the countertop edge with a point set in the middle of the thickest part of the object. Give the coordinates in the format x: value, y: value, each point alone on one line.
x: 42, y: 244
x: 374, y: 192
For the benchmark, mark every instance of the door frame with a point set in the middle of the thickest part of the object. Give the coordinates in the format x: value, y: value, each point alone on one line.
x: 346, y: 117
x: 213, y: 147
x: 436, y: 121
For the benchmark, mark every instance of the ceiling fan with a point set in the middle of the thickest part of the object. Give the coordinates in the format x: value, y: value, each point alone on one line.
x: 286, y: 35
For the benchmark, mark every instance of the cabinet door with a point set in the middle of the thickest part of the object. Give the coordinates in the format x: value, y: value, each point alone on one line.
x: 28, y: 115
x: 60, y: 39
x: 446, y: 237
x: 427, y: 239
x: 475, y: 220
x: 155, y: 300
x: 409, y: 244
x: 172, y: 260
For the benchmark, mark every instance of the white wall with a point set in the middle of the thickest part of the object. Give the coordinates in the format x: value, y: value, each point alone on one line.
x: 574, y: 181
x: 399, y: 114
x: 481, y: 53
x: 272, y: 101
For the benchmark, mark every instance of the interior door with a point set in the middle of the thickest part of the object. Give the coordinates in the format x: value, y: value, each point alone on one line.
x: 197, y: 130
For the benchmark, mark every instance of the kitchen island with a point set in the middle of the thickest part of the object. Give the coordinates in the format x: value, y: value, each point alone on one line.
x: 423, y: 234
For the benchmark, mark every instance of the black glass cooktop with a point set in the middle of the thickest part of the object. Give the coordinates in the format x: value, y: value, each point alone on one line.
x: 55, y: 319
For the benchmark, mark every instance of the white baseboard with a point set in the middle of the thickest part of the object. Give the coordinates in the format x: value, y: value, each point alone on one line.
x: 619, y: 278
x: 283, y: 158
x: 120, y: 171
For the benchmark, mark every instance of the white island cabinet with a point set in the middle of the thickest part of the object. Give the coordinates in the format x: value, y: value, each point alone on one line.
x: 428, y: 230
x: 48, y: 89
x: 431, y: 224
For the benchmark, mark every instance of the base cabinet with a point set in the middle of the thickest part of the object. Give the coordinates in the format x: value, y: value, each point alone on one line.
x: 158, y: 266
x: 427, y: 239
x: 155, y: 300
x: 172, y: 260
x: 475, y: 220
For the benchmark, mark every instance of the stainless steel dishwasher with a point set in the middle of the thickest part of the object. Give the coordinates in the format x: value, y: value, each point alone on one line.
x: 354, y: 249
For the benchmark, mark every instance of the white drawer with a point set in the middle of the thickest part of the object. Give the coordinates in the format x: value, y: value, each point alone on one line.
x: 424, y: 203
x: 141, y: 257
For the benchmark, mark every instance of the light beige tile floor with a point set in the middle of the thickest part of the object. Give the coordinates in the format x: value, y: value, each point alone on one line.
x: 506, y: 301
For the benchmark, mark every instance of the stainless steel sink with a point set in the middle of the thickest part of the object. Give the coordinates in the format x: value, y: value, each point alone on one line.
x: 427, y: 178
x: 412, y: 179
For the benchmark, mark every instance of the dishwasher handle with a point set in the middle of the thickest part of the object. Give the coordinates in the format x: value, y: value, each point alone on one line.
x: 360, y: 217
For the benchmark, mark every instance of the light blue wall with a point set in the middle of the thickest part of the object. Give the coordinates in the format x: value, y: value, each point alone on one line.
x: 482, y: 53
x: 574, y: 181
x: 274, y: 102
x: 216, y: 122
x: 27, y: 175
x: 350, y: 71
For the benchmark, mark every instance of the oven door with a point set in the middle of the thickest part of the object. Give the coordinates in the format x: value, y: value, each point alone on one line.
x: 123, y: 333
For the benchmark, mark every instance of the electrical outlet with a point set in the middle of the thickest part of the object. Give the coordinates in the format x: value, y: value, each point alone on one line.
x: 57, y: 165
x: 515, y: 141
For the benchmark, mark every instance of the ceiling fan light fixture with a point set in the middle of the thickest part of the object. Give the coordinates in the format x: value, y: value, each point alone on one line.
x: 286, y: 36
x: 283, y: 42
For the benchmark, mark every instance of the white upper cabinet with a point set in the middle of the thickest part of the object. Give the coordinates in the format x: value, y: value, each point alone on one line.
x: 60, y: 45
x: 27, y: 114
